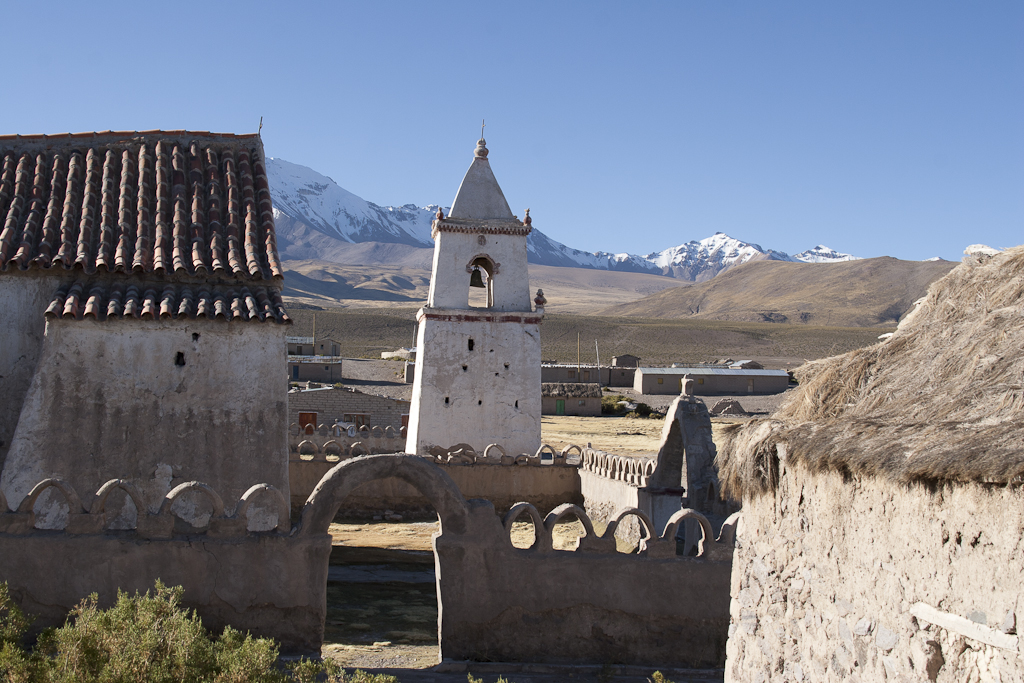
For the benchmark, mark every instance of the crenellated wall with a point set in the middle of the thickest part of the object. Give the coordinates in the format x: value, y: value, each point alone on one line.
x: 495, y: 601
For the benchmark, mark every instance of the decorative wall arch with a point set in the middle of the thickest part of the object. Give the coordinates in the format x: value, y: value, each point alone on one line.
x: 280, y: 502
x: 74, y: 502
x: 332, y: 448
x: 541, y: 538
x: 342, y: 479
x: 672, y: 526
x: 564, y: 510
x: 310, y: 447
x: 180, y: 489
x: 617, y: 518
x: 99, y: 501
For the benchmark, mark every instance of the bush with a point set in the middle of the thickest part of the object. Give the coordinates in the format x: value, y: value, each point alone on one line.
x: 610, y: 405
x: 147, y: 638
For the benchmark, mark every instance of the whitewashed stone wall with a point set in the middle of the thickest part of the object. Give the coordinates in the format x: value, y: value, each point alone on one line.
x: 864, y: 580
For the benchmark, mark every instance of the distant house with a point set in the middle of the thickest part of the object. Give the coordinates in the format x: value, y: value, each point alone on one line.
x: 570, y: 372
x: 625, y: 361
x: 709, y: 381
x: 746, y: 365
x: 328, y: 405
x: 312, y: 361
x: 144, y: 328
x: 560, y: 398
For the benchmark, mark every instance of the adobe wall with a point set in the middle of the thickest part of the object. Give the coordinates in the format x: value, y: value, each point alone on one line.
x: 503, y: 485
x: 23, y: 298
x: 591, y: 405
x: 484, y: 395
x: 331, y: 404
x: 217, y: 418
x: 859, y: 579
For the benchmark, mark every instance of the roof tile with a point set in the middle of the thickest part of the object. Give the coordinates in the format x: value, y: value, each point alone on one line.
x: 179, y: 203
x: 144, y: 300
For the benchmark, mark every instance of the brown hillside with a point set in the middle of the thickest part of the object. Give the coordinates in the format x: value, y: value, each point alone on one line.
x: 869, y: 292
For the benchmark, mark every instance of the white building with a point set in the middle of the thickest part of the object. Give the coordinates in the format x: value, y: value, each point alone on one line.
x: 478, y: 346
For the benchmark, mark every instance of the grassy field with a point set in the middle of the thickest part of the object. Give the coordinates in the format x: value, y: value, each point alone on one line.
x: 365, y: 332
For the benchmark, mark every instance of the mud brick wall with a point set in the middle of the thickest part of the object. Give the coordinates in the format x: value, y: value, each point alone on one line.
x: 331, y: 404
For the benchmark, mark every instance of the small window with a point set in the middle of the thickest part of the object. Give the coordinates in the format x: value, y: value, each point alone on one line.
x: 572, y: 374
x: 661, y: 380
x: 298, y: 350
x: 582, y: 402
x: 586, y: 375
x: 471, y: 344
x: 358, y: 419
x: 700, y: 380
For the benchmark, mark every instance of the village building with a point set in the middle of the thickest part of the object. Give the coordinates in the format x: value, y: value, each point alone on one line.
x: 329, y: 405
x: 626, y: 360
x: 571, y: 372
x: 558, y: 398
x: 477, y: 379
x: 144, y: 325
x: 310, y: 360
x: 883, y: 513
x: 710, y: 381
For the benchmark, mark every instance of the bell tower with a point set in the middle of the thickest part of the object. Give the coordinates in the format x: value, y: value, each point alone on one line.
x: 478, y: 344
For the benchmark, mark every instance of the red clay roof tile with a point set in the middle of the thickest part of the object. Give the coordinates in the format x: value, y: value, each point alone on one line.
x: 178, y: 203
x: 105, y: 301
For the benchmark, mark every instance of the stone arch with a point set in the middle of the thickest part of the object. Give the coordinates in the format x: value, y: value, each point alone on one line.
x: 283, y: 510
x: 99, y: 501
x: 565, y: 510
x: 294, y: 429
x: 376, y: 432
x: 358, y: 445
x: 672, y: 526
x: 332, y: 448
x: 342, y: 479
x: 496, y: 447
x: 363, y: 432
x: 309, y: 429
x: 177, y: 491
x: 307, y: 445
x: 489, y: 267
x: 641, y: 516
x: 730, y: 528
x: 390, y: 433
x: 70, y: 495
x: 542, y: 540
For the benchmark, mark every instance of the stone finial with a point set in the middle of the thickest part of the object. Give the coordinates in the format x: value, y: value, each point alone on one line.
x: 539, y: 299
x: 528, y: 220
x: 481, y: 149
x: 687, y: 386
x: 440, y: 214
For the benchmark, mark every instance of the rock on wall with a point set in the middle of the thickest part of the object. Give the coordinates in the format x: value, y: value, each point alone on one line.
x: 864, y: 580
x: 218, y: 417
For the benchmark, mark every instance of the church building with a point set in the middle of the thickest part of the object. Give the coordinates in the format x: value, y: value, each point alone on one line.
x: 478, y: 344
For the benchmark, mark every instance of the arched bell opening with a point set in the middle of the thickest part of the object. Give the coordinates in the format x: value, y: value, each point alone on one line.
x: 481, y: 271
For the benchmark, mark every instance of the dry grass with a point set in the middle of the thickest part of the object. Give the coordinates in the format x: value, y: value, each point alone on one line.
x: 365, y: 332
x: 942, y: 400
x: 867, y: 292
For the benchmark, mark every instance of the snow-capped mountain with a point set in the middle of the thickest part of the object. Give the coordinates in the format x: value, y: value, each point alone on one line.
x: 308, y: 203
x: 319, y: 202
x: 822, y: 254
x: 702, y: 260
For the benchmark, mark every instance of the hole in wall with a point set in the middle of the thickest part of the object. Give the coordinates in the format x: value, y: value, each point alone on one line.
x: 179, y: 359
x: 495, y: 374
x: 517, y: 404
x: 446, y: 400
x: 471, y: 344
x: 506, y: 366
x: 479, y: 403
x: 465, y: 367
x: 195, y: 336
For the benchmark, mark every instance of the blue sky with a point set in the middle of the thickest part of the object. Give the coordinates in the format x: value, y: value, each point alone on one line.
x: 876, y: 128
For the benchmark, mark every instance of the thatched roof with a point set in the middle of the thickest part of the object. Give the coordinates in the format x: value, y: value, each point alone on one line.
x: 570, y: 389
x: 942, y: 400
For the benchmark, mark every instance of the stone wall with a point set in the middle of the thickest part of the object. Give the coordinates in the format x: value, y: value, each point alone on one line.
x: 332, y: 404
x: 858, y: 579
x: 496, y: 602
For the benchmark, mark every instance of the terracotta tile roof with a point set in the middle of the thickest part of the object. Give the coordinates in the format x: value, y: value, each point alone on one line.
x: 176, y: 203
x: 156, y: 301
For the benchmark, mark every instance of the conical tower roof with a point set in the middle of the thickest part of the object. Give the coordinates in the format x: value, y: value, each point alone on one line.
x: 479, y: 196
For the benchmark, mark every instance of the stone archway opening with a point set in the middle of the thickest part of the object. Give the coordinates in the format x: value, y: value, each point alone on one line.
x: 382, y: 604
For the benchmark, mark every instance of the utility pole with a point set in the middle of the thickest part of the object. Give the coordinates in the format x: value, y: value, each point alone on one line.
x: 597, y: 352
x: 579, y: 374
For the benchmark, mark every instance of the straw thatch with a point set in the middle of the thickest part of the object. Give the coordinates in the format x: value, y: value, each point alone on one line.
x: 570, y: 389
x: 940, y: 400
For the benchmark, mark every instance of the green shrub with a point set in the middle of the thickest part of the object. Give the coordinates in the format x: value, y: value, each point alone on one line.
x: 610, y: 405
x: 151, y: 639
